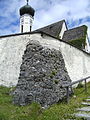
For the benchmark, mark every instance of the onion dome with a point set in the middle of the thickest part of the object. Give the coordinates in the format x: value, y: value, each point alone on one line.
x: 27, y: 9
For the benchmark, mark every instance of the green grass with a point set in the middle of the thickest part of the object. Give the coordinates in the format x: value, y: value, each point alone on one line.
x: 60, y: 111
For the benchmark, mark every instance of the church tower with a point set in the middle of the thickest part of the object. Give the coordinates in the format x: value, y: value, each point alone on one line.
x: 26, y: 18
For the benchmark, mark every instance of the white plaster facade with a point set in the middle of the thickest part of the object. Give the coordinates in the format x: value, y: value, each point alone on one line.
x: 26, y: 22
x: 12, y: 49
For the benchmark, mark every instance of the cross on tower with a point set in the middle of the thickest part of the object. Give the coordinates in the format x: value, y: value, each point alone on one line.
x: 27, y: 2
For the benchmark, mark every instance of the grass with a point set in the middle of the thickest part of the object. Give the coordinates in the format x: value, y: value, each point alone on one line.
x: 60, y: 111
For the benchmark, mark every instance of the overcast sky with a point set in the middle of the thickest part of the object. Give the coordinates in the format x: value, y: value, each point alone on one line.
x: 75, y: 12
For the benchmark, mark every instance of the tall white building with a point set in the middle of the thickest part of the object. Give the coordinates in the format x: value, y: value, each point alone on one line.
x: 26, y: 18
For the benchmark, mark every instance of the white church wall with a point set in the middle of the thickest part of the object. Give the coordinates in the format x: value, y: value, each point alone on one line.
x: 77, y: 62
x: 12, y: 50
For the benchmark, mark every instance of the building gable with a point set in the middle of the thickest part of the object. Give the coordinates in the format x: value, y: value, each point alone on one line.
x: 76, y: 36
x: 56, y: 29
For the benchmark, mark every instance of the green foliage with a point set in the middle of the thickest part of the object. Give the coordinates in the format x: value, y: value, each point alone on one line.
x: 80, y: 85
x: 56, y: 81
x: 80, y: 42
x: 51, y: 76
x: 3, y: 117
x: 60, y: 111
x: 53, y: 73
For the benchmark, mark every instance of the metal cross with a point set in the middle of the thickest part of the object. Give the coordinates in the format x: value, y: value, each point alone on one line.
x: 27, y: 2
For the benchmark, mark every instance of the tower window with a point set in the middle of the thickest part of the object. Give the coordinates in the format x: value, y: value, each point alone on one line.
x: 21, y: 28
x: 30, y: 28
x: 22, y: 21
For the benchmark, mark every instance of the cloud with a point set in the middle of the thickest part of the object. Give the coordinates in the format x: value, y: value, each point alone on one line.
x: 75, y: 13
x: 47, y: 12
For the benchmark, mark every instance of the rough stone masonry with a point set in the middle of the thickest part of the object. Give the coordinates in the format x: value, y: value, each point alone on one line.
x: 42, y: 74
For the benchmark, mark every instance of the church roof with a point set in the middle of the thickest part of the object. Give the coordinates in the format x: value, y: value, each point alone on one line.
x: 74, y: 33
x: 35, y: 32
x: 53, y: 29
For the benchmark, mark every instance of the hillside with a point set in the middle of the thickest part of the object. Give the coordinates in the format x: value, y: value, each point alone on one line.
x: 60, y: 111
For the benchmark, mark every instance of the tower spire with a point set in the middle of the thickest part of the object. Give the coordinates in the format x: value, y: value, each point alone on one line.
x: 27, y: 2
x: 26, y: 17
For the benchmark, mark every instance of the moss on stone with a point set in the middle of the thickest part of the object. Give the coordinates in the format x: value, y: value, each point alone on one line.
x: 53, y: 73
x: 56, y: 81
x: 79, y: 43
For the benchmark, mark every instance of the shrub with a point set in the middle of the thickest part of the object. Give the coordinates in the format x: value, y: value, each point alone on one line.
x: 80, y: 85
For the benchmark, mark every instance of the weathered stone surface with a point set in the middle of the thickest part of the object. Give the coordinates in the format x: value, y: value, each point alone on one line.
x: 87, y: 100
x: 83, y: 115
x: 87, y: 109
x: 86, y: 103
x: 42, y: 74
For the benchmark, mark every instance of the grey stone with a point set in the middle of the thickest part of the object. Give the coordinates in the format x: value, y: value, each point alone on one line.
x: 87, y: 100
x: 42, y: 74
x: 86, y: 103
x: 83, y: 115
x: 87, y: 109
x: 88, y: 97
x: 74, y: 33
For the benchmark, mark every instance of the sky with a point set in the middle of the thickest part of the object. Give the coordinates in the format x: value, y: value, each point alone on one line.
x: 75, y: 13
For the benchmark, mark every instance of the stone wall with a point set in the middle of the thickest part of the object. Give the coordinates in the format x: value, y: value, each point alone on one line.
x: 12, y: 49
x: 41, y: 76
x: 77, y: 62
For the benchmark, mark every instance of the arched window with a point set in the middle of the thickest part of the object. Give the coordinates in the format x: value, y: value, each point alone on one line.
x: 21, y: 28
x: 30, y: 28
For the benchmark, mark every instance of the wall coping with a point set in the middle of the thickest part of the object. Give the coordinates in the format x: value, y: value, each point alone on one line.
x: 34, y: 32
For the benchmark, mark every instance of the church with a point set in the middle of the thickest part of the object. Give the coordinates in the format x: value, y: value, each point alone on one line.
x: 77, y: 36
x: 43, y: 58
x: 12, y: 46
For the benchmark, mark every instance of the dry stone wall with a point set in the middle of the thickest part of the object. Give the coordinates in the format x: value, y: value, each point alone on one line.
x: 12, y: 49
x: 42, y: 74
